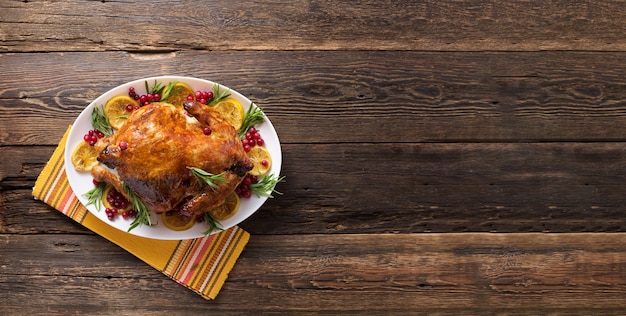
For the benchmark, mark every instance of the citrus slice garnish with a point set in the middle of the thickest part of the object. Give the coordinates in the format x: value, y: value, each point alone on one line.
x: 84, y: 157
x: 179, y: 97
x: 227, y: 209
x: 116, y: 110
x: 174, y: 221
x: 261, y: 159
x: 231, y: 110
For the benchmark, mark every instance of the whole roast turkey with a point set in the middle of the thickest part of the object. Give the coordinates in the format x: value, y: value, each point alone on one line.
x: 154, y: 151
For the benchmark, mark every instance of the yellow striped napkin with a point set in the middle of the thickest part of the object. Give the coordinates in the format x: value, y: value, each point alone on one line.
x: 201, y: 264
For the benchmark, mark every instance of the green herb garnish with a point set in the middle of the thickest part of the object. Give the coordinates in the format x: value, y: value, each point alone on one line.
x: 253, y: 116
x: 265, y: 186
x: 100, y: 121
x: 214, y: 226
x: 158, y: 88
x: 207, y: 177
x: 171, y: 90
x: 94, y: 196
x: 217, y: 95
x: 143, y: 215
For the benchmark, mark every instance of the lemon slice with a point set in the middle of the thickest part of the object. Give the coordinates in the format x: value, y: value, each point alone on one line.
x: 177, y: 222
x: 231, y: 110
x: 116, y: 112
x: 261, y: 159
x: 84, y: 157
x: 180, y: 97
x: 226, y: 210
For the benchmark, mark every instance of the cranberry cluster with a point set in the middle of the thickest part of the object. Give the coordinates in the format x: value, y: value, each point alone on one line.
x: 144, y: 99
x: 116, y: 199
x: 243, y: 189
x: 203, y: 97
x: 251, y: 139
x: 112, y: 213
x: 119, y: 202
x: 92, y: 136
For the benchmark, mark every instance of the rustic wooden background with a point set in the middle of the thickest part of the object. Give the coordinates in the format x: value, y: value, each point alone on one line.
x: 441, y: 156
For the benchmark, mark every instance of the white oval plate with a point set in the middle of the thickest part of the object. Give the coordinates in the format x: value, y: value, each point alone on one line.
x: 81, y: 182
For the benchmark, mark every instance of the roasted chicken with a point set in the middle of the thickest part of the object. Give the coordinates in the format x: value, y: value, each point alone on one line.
x: 154, y: 151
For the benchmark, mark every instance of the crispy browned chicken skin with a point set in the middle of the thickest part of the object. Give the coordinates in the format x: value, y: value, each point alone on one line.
x: 153, y: 151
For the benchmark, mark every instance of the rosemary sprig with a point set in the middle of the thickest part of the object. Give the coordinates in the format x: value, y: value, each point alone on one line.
x: 164, y: 91
x: 171, y: 90
x: 207, y: 177
x: 214, y: 226
x: 94, y: 196
x: 253, y: 116
x: 217, y: 95
x: 143, y: 215
x: 266, y: 185
x: 157, y: 87
x: 100, y: 121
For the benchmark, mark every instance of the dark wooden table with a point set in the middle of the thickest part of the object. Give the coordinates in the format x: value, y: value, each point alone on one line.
x: 461, y: 157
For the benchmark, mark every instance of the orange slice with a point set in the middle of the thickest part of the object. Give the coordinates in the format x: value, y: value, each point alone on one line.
x: 84, y: 157
x: 177, y: 222
x: 231, y: 110
x: 261, y: 159
x: 115, y: 110
x: 183, y: 90
x: 227, y: 209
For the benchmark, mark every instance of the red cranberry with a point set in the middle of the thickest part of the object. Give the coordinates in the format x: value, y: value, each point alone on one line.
x: 206, y: 130
x: 260, y: 142
x: 123, y: 145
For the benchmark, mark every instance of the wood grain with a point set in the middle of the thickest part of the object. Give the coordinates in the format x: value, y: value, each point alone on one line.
x: 531, y: 25
x: 432, y: 187
x: 442, y: 157
x: 356, y: 97
x: 330, y: 274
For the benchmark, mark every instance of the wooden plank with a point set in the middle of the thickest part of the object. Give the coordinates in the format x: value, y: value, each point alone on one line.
x: 313, y: 25
x: 349, y: 96
x: 377, y: 188
x: 398, y: 274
